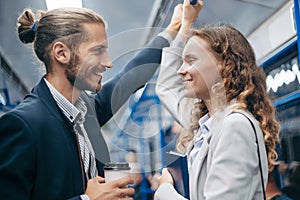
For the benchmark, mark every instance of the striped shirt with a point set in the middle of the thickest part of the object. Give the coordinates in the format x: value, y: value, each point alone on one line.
x: 69, y: 110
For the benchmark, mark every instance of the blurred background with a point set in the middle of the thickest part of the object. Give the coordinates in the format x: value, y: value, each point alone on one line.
x: 143, y: 125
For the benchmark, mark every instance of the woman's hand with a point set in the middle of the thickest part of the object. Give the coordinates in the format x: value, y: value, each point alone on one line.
x: 175, y: 23
x: 166, y: 177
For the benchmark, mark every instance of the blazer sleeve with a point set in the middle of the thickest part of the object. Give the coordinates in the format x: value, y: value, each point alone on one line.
x: 75, y: 198
x: 133, y: 76
x: 169, y: 86
x: 17, y: 158
x: 233, y: 172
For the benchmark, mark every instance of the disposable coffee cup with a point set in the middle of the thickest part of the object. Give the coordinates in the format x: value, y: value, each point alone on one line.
x: 115, y: 170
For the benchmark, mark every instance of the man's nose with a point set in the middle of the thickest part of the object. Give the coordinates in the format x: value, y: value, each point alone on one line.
x: 107, y: 61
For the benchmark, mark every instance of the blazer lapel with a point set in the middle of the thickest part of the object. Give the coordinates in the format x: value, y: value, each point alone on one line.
x: 97, y: 139
x: 43, y: 92
x: 94, y: 131
x: 199, y: 162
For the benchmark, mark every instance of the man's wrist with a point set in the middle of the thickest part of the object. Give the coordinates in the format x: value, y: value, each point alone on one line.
x: 173, y: 28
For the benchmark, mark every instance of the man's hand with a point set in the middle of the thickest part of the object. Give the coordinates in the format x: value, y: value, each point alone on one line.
x: 97, y: 189
x: 189, y: 15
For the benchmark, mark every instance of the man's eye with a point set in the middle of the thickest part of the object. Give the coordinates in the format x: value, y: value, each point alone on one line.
x: 98, y: 50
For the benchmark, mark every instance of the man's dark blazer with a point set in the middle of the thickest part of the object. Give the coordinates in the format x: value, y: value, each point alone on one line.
x: 39, y: 156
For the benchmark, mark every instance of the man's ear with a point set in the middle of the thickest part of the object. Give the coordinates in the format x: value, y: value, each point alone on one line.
x: 61, y: 53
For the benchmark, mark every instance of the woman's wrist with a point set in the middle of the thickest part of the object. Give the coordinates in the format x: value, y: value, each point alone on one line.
x: 186, y: 25
x: 183, y: 33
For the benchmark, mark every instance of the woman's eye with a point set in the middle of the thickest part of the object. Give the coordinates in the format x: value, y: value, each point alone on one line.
x: 191, y: 61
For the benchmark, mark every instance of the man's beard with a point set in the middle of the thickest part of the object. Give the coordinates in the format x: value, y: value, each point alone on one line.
x: 74, y: 77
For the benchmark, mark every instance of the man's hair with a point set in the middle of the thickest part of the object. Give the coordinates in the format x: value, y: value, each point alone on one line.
x: 62, y: 24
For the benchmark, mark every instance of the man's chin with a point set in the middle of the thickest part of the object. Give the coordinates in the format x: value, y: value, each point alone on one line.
x: 98, y: 88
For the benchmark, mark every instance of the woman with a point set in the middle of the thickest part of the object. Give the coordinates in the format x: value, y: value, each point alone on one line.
x: 220, y: 77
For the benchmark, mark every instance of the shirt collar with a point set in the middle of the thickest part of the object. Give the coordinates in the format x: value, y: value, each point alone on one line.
x: 80, y: 105
x: 70, y: 111
x: 204, y: 123
x: 203, y: 129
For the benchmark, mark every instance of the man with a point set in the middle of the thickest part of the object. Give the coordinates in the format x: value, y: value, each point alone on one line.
x: 50, y: 144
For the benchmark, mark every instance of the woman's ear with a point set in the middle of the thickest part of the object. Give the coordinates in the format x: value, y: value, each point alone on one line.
x: 61, y: 53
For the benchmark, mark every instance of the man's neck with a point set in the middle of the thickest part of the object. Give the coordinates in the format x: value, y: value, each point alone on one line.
x: 64, y: 87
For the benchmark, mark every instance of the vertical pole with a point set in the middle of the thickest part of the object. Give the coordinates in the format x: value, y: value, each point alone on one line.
x: 297, y: 18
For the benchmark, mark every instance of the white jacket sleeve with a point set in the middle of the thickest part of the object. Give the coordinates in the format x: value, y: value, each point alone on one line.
x: 169, y: 87
x: 166, y: 192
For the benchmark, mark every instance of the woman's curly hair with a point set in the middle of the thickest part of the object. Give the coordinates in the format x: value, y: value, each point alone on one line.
x: 243, y: 81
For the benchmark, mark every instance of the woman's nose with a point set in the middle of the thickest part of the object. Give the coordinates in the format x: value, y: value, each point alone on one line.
x: 182, y: 70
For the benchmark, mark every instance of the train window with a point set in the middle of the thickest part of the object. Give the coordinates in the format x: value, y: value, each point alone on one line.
x: 284, y: 79
x: 283, y: 86
x: 289, y: 117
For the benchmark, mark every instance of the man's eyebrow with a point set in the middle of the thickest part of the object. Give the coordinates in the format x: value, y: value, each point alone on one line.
x: 102, y: 46
x: 99, y: 46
